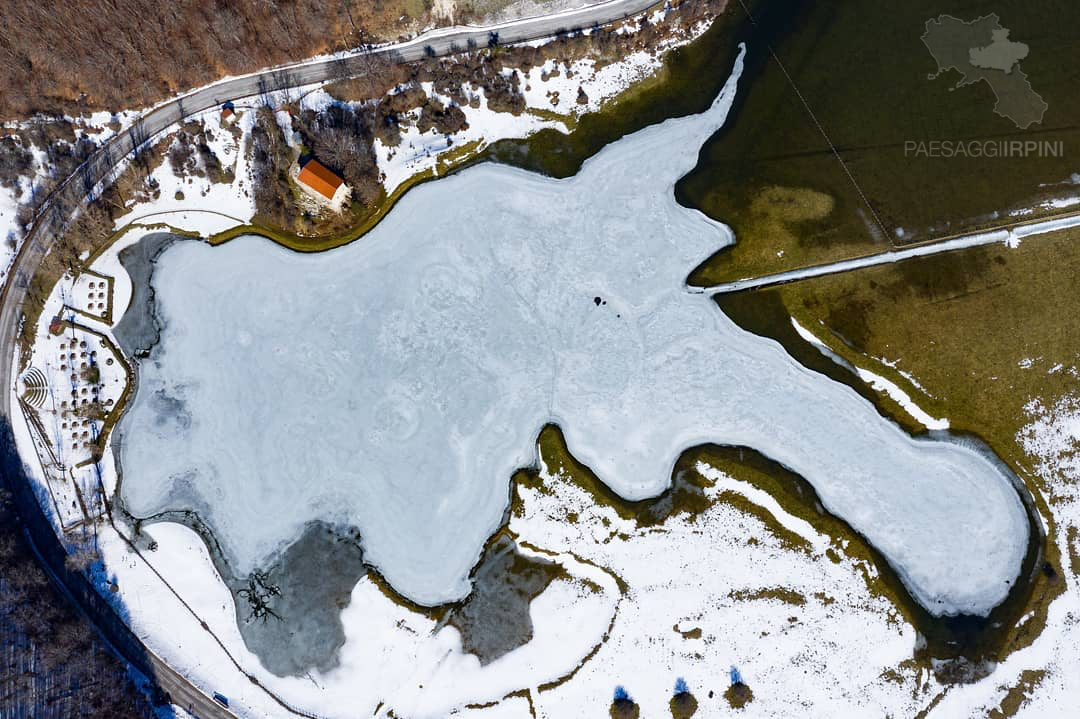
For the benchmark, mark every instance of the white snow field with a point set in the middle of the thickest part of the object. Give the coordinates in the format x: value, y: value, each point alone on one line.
x: 396, y: 383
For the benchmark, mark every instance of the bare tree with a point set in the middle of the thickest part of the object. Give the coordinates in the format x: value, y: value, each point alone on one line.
x: 260, y: 593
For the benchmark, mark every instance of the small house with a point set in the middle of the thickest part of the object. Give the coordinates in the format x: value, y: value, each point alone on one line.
x: 320, y: 179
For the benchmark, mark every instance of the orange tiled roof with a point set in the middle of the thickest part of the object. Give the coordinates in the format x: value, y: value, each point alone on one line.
x: 316, y: 176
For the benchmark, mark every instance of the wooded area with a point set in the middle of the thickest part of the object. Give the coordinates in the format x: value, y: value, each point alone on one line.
x: 85, y: 55
x: 53, y: 665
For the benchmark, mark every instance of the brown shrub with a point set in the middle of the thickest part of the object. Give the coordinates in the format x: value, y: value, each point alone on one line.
x: 270, y: 160
x: 15, y: 161
x: 445, y: 120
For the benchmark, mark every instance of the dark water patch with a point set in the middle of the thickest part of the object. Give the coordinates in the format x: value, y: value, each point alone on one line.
x: 139, y: 329
x: 494, y: 619
x: 770, y: 143
x: 290, y: 613
x: 311, y: 582
x: 289, y: 610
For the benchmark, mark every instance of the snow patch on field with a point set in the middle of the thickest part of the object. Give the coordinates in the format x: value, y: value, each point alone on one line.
x: 9, y: 234
x: 876, y: 381
x: 202, y: 206
x: 10, y: 199
x: 1053, y: 436
x: 902, y: 398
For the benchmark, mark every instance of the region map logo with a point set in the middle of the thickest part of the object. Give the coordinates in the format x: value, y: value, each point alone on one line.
x: 981, y: 50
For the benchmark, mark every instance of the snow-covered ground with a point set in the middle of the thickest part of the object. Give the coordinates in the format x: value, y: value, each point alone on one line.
x: 419, y: 152
x: 10, y: 199
x: 74, y: 378
x: 197, y: 203
x: 9, y: 235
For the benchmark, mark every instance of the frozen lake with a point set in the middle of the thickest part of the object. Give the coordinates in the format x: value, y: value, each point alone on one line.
x: 396, y: 383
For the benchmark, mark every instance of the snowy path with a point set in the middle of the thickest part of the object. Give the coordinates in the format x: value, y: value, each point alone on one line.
x: 1009, y: 236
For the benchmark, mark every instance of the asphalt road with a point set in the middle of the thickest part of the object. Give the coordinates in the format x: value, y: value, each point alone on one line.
x: 72, y: 195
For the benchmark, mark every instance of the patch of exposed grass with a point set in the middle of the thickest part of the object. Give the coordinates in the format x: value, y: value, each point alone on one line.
x: 781, y: 594
x: 362, y: 218
x: 1030, y: 679
x: 694, y: 633
x: 776, y: 218
x: 686, y: 495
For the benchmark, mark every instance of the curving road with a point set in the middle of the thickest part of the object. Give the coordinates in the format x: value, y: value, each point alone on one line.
x: 73, y: 194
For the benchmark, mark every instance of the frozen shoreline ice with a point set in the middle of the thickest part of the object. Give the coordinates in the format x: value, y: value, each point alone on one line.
x: 396, y: 383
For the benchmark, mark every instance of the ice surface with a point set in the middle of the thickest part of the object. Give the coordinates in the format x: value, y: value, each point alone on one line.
x: 396, y: 383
